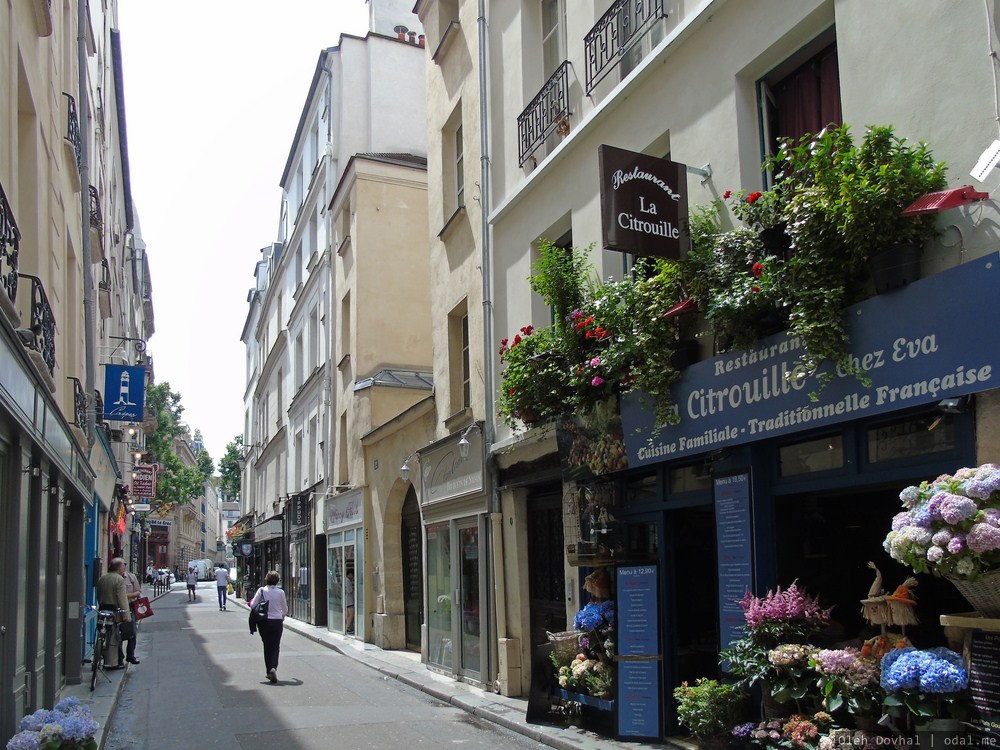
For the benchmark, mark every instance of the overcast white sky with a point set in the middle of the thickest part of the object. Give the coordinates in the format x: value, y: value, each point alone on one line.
x: 213, y: 92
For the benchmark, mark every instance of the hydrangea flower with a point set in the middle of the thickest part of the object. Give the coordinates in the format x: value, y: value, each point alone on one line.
x: 983, y: 537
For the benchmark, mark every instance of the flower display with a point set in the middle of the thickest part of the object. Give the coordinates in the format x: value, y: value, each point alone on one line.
x: 708, y: 707
x: 790, y: 607
x: 931, y: 683
x: 847, y: 679
x: 591, y: 671
x: 68, y: 726
x: 950, y: 526
x: 757, y: 210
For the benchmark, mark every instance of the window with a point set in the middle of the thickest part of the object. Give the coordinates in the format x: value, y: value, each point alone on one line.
x: 453, y: 163
x: 459, y: 364
x: 553, y: 35
x: 802, y: 95
x: 345, y: 325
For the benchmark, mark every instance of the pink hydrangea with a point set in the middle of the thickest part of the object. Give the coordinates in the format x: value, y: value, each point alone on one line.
x: 983, y: 538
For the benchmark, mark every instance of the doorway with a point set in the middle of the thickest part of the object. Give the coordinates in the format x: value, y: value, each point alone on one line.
x: 411, y: 545
x: 546, y: 575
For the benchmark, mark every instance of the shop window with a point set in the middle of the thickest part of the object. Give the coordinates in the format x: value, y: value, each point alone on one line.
x: 820, y: 454
x: 460, y: 369
x: 641, y: 490
x: 693, y: 478
x: 913, y: 436
x: 802, y: 95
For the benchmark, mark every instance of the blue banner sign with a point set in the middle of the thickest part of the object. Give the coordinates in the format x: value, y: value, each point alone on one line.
x: 934, y: 339
x: 124, y: 392
x: 733, y: 532
x: 638, y: 615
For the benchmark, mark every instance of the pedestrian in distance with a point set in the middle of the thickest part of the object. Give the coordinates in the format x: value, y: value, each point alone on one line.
x: 112, y: 596
x: 192, y: 583
x: 271, y: 630
x: 349, y: 602
x: 222, y: 584
x: 133, y: 590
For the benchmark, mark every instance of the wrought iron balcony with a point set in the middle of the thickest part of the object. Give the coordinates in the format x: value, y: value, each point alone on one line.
x: 79, y: 403
x: 543, y: 113
x: 95, y: 210
x: 40, y: 335
x: 10, y: 242
x: 73, y: 129
x: 613, y: 35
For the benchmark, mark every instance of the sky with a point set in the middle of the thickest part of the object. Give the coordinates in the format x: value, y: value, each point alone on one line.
x: 213, y: 93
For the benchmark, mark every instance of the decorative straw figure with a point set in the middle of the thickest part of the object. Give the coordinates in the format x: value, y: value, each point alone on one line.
x: 902, y: 604
x: 875, y: 608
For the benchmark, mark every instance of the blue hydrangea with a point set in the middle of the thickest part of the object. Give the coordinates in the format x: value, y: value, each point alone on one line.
x: 78, y: 727
x: 943, y: 677
x: 34, y: 722
x: 937, y: 670
x: 921, y: 516
x: 595, y: 615
x: 26, y: 740
x: 67, y: 705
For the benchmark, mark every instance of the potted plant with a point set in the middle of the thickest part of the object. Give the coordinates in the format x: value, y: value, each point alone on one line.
x: 849, y: 681
x: 842, y: 208
x: 533, y: 384
x: 709, y: 708
x: 929, y: 688
x: 590, y: 671
x: 69, y: 725
x: 950, y: 527
x: 762, y: 212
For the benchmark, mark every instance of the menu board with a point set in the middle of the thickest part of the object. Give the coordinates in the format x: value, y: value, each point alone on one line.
x: 638, y: 616
x: 733, y: 531
x: 984, y: 678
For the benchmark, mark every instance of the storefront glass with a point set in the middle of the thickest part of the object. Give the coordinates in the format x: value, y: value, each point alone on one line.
x: 439, y: 595
x: 469, y: 540
x: 299, y: 593
x: 345, y: 576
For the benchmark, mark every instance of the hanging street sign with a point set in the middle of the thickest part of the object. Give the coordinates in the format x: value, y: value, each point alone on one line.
x: 144, y: 480
x: 124, y: 392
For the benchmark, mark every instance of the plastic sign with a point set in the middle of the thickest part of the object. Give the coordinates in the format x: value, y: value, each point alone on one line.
x: 144, y: 480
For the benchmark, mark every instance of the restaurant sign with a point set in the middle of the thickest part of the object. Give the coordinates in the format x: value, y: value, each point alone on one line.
x: 934, y: 339
x: 144, y: 480
x: 644, y: 206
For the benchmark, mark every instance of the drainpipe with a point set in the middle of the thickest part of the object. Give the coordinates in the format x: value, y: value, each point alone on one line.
x: 90, y: 343
x: 489, y: 418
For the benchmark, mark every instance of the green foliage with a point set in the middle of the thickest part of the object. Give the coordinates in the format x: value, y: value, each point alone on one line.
x: 535, y: 381
x: 560, y: 276
x: 709, y: 707
x: 176, y: 484
x: 229, y: 468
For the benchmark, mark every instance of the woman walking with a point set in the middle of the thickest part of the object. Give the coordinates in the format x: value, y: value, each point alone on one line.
x: 271, y: 630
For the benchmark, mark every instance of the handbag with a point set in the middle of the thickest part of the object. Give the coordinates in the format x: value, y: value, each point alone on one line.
x: 229, y: 589
x: 126, y: 630
x: 259, y: 613
x: 142, y: 608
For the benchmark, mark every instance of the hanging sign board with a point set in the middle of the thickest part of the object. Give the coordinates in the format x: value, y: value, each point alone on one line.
x: 644, y: 206
x: 124, y: 392
x: 144, y: 481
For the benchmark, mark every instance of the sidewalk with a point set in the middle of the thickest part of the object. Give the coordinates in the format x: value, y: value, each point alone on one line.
x: 406, y: 667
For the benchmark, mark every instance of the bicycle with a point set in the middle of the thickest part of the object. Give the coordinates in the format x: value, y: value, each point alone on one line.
x: 107, y: 622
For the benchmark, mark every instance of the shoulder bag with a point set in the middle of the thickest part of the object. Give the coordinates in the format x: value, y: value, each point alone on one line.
x: 259, y: 612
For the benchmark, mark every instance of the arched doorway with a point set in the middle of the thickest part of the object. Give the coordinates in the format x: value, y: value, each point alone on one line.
x: 412, y: 548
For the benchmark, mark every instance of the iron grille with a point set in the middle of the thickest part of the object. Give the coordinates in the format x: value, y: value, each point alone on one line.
x: 615, y: 32
x: 95, y: 209
x: 73, y: 129
x: 41, y: 333
x: 79, y: 403
x: 543, y: 113
x: 10, y: 242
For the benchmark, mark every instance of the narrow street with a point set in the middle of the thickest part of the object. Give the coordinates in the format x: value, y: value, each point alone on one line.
x: 201, y: 684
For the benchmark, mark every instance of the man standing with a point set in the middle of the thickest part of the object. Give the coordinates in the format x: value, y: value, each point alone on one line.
x: 222, y: 583
x: 111, y: 595
x: 133, y: 590
x: 192, y: 584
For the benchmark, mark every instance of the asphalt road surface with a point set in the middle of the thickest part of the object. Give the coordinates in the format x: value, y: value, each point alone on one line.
x: 201, y: 684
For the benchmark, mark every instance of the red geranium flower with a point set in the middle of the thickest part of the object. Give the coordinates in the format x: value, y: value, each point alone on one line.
x: 726, y: 195
x: 753, y: 197
x: 755, y: 289
x: 757, y: 270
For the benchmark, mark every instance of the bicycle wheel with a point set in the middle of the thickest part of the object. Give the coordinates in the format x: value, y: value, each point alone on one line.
x: 97, y: 659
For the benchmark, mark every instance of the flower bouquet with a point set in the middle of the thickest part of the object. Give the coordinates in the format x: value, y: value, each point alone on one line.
x: 591, y: 670
x: 798, y: 731
x: 951, y: 528
x: 69, y: 726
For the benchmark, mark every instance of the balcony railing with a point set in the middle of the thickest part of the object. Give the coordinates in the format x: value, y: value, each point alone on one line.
x: 543, y: 114
x: 41, y: 332
x: 95, y: 210
x: 613, y: 35
x: 73, y: 129
x: 10, y: 242
x: 79, y: 403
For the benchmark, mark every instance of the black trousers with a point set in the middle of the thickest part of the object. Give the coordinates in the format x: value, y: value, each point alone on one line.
x: 270, y: 635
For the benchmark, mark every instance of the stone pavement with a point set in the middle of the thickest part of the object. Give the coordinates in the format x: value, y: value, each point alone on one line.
x: 406, y: 667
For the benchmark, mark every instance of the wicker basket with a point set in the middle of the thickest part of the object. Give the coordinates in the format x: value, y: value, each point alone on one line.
x: 565, y: 644
x: 983, y: 594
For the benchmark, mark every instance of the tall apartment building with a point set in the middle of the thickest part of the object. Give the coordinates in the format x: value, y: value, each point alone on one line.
x: 74, y: 295
x: 335, y: 347
x: 710, y: 85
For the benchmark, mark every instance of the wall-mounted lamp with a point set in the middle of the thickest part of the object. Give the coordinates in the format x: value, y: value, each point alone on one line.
x: 954, y: 405
x: 404, y: 470
x: 243, y: 457
x: 463, y: 441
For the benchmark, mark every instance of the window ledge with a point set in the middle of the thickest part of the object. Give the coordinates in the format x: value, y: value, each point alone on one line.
x: 343, y: 361
x: 450, y: 33
x: 452, y: 220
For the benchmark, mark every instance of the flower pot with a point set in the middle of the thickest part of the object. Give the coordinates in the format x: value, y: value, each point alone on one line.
x: 940, y: 734
x: 895, y: 267
x: 983, y: 593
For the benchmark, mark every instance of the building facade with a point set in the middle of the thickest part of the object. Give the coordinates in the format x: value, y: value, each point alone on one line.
x: 75, y: 296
